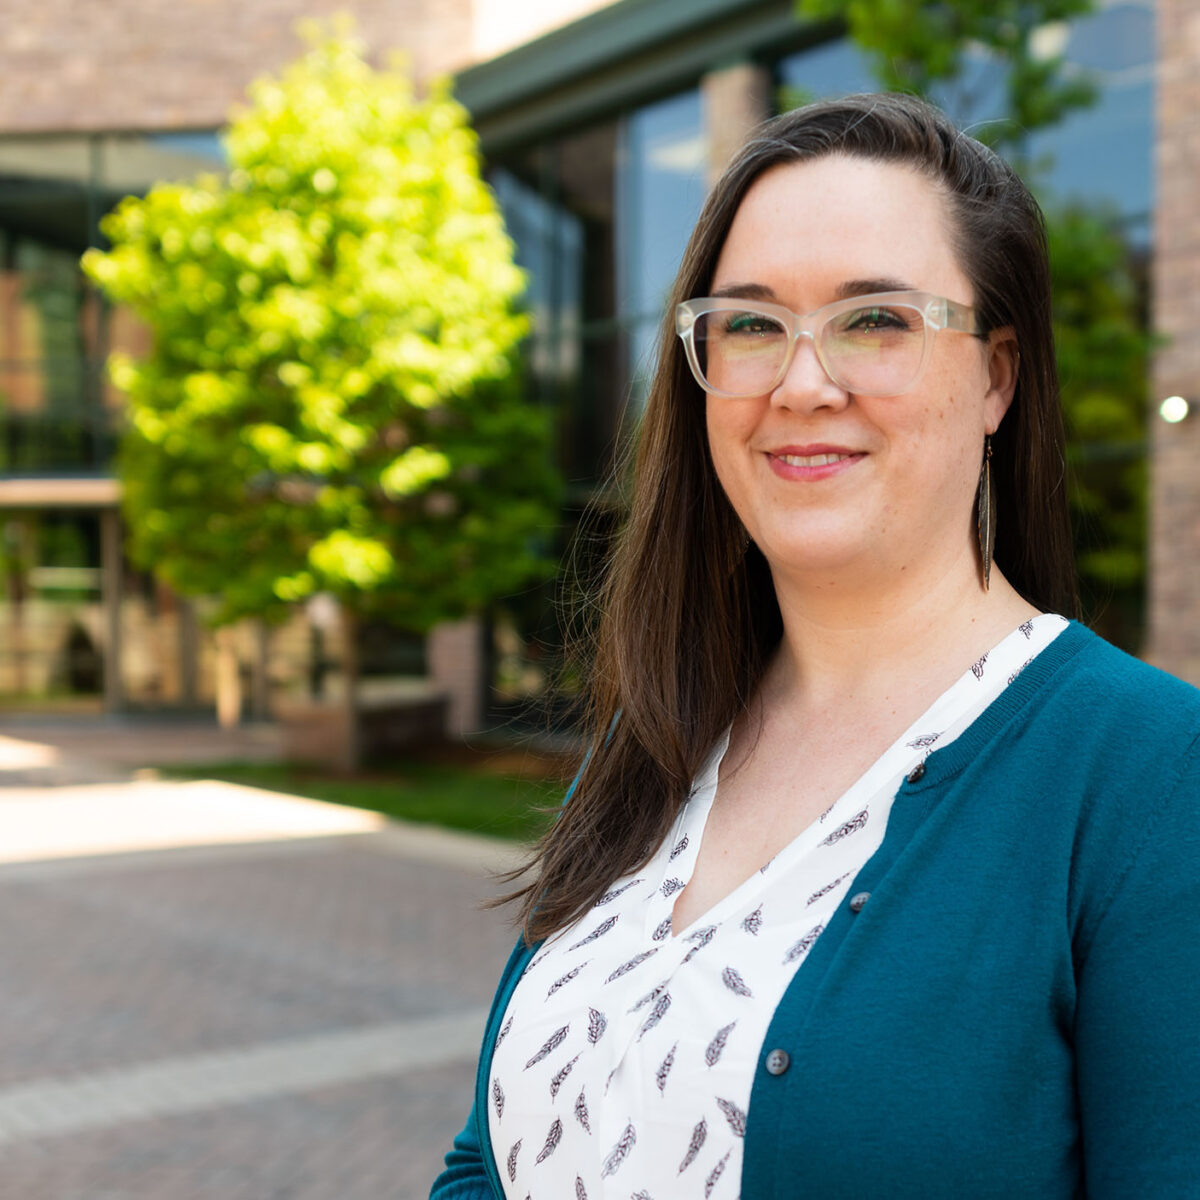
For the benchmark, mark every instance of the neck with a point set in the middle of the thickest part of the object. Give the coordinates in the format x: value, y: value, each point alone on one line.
x: 844, y: 643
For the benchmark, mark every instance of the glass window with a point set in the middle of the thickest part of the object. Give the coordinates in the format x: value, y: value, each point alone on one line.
x: 47, y: 385
x: 58, y: 411
x: 661, y: 189
x: 1102, y: 152
x: 134, y: 163
x: 1106, y: 151
x: 600, y: 219
x: 831, y: 69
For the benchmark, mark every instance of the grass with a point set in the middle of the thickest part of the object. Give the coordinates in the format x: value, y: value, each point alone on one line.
x: 503, y: 795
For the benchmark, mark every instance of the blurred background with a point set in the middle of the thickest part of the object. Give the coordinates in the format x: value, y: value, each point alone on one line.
x: 130, y: 682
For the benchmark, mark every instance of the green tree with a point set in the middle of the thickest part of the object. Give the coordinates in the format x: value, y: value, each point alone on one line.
x: 916, y: 46
x: 329, y: 404
x: 954, y: 51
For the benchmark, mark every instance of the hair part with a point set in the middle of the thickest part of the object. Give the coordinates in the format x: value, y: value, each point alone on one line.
x: 689, y: 617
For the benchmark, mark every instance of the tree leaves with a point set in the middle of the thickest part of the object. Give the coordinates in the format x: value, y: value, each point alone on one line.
x: 328, y: 403
x: 914, y: 46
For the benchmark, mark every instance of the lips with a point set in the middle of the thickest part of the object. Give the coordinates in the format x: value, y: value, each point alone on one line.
x: 812, y: 463
x: 811, y: 460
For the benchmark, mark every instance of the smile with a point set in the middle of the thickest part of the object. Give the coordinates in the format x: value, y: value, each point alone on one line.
x: 811, y: 460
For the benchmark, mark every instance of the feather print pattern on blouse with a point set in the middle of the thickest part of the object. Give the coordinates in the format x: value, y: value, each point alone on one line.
x: 652, y: 994
x: 552, y: 1140
x: 656, y: 1014
x: 560, y: 1078
x: 1013, y: 677
x: 734, y: 1115
x: 804, y: 945
x: 714, y: 1175
x: 853, y: 825
x: 598, y: 932
x: 697, y: 1140
x: 658, y: 1027
x: 581, y: 1111
x: 597, y: 1024
x: 716, y: 1047
x: 620, y: 1152
x: 551, y: 1044
x: 609, y: 897
x: 664, y: 1069
x: 734, y: 982
x: 923, y: 741
x: 701, y: 938
x: 571, y: 974
x: 635, y: 961
x: 826, y: 889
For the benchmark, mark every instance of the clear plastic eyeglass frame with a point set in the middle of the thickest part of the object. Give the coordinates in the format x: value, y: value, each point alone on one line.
x: 936, y: 312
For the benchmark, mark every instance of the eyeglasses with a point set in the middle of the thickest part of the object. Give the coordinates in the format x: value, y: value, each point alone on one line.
x: 874, y: 345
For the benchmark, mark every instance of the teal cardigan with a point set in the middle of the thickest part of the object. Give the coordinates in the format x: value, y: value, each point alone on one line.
x: 1016, y: 1009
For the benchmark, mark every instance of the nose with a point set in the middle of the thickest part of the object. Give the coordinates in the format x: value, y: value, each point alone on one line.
x: 807, y: 386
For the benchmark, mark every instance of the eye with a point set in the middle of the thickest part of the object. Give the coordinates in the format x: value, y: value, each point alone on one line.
x: 891, y: 320
x: 749, y: 323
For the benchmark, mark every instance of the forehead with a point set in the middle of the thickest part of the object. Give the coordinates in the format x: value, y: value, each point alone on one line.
x: 804, y: 228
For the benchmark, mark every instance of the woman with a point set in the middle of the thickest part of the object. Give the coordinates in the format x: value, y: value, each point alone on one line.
x: 879, y: 878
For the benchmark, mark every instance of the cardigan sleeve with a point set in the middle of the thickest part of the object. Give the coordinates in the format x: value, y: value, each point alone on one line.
x: 1137, y: 1016
x: 464, y: 1177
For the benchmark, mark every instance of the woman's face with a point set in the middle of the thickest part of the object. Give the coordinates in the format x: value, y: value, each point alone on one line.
x: 900, y: 489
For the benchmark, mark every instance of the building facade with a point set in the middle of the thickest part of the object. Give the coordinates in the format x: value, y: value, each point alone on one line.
x: 601, y: 125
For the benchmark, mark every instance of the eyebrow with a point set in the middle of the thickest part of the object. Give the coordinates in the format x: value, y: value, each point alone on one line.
x: 843, y: 291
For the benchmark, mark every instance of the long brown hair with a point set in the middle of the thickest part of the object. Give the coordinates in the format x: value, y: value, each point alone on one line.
x: 688, y: 617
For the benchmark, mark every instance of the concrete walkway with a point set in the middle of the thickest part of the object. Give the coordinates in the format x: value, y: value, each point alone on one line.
x: 213, y: 991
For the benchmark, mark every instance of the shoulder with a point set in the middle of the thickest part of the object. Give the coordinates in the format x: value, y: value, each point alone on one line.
x: 1120, y: 767
x: 1097, y: 693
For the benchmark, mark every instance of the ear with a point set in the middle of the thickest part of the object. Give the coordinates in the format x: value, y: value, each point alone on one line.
x: 1004, y: 361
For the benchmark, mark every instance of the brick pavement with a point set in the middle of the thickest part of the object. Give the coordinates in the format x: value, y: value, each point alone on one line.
x: 293, y: 1017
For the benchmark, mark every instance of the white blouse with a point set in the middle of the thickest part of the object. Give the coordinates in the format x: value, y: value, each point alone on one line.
x: 624, y: 1065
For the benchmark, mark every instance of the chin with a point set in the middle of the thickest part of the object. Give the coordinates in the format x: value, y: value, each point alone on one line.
x: 816, y: 556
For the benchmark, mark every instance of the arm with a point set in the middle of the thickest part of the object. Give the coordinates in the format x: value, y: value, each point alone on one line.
x: 464, y: 1177
x: 1138, y: 1010
x: 467, y: 1175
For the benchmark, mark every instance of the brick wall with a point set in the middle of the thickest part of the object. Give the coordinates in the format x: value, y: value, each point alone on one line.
x: 1174, y: 596
x: 736, y: 99
x: 163, y: 64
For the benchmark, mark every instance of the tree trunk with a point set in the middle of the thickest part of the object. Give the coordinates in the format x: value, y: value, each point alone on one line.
x: 229, y: 683
x: 352, y: 743
x: 260, y: 672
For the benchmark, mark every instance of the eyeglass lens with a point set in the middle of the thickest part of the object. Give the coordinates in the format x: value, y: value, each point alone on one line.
x: 872, y: 350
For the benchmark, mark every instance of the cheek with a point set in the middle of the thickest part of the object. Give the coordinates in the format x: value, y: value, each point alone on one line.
x: 729, y: 427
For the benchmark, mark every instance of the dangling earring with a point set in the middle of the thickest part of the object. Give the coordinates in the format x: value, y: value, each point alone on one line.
x: 985, y: 513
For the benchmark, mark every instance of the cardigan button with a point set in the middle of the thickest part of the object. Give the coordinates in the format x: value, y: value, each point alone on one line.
x: 778, y: 1061
x: 917, y: 773
x: 859, y: 901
